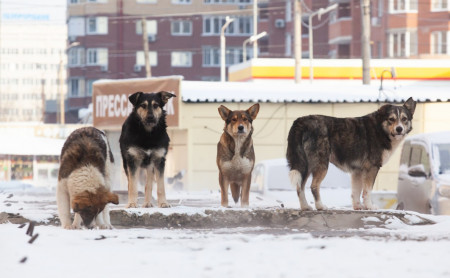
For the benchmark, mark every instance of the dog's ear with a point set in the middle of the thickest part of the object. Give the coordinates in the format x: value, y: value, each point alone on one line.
x: 113, y: 198
x: 135, y: 97
x: 224, y: 112
x: 75, y: 207
x: 253, y: 111
x: 410, y: 104
x: 165, y: 96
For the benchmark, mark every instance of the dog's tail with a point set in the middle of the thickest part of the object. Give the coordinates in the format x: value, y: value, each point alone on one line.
x: 235, y: 191
x: 296, y: 157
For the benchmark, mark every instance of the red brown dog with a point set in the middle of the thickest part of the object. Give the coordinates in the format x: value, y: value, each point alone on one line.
x: 235, y: 154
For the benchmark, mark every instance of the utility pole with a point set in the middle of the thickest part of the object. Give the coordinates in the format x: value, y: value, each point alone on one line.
x: 255, y: 28
x: 228, y: 20
x: 298, y: 40
x: 43, y: 99
x: 365, y: 40
x: 319, y: 13
x: 148, y: 72
x: 62, y: 112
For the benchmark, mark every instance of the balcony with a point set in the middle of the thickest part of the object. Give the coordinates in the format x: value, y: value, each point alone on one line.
x: 340, y: 30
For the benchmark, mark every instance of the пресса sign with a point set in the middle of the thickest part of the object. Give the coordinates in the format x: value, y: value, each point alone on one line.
x: 111, y: 104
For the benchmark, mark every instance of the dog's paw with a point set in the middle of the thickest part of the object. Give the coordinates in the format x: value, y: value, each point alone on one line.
x: 147, y: 205
x: 320, y: 206
x: 164, y: 205
x: 370, y: 207
x: 131, y: 205
x: 105, y: 227
x: 72, y: 227
x: 68, y: 227
x: 307, y: 207
x: 357, y: 206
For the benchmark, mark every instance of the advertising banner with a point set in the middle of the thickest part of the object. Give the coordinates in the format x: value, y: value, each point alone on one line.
x: 111, y: 105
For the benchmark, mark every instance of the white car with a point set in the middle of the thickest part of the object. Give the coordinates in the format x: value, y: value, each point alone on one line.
x: 424, y: 174
x: 270, y: 178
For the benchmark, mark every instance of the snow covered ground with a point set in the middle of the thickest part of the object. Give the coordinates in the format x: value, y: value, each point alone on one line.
x: 393, y: 250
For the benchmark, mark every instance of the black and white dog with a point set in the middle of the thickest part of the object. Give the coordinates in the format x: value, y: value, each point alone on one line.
x: 144, y: 143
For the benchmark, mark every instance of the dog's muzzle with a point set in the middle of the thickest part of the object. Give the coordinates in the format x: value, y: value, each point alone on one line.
x: 150, y: 119
x: 241, y: 129
x: 398, y: 134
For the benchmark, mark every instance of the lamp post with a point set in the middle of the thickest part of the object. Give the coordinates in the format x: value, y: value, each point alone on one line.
x: 252, y: 39
x: 228, y: 20
x: 62, y: 111
x: 319, y: 12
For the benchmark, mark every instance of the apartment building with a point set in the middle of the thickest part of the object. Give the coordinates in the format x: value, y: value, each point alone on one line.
x: 32, y: 60
x: 399, y: 29
x: 183, y: 39
x: 277, y: 18
x: 184, y: 35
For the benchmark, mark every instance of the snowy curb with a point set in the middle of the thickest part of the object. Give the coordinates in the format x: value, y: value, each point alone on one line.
x: 269, y: 218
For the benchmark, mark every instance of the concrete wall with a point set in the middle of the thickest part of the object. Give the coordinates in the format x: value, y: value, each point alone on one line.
x: 204, y: 127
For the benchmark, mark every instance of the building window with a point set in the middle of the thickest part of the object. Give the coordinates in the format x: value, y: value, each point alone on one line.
x: 98, y: 1
x: 181, y: 28
x: 74, y: 2
x: 89, y: 87
x: 211, y: 57
x: 233, y: 55
x: 97, y: 25
x: 401, y: 6
x: 439, y: 5
x: 140, y: 59
x: 245, y: 25
x: 439, y: 42
x: 74, y: 85
x: 264, y: 11
x: 402, y: 44
x: 344, y: 10
x: 181, y: 1
x: 97, y: 56
x: 228, y: 1
x: 241, y: 26
x: 288, y: 45
x: 146, y: 1
x: 181, y: 59
x: 76, y: 56
x: 152, y: 27
x: 287, y: 11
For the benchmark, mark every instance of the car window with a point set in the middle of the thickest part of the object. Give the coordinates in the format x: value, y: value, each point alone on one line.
x: 444, y: 158
x: 419, y: 156
x: 406, y: 153
x: 258, y: 178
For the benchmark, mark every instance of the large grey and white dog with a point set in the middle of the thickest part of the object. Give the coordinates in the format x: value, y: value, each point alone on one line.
x: 358, y: 145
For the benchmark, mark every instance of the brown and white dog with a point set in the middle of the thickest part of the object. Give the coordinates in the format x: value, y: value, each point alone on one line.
x: 235, y: 154
x: 359, y: 146
x: 84, y: 180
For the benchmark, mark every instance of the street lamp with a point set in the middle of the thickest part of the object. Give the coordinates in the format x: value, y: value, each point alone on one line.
x: 60, y: 84
x: 228, y: 20
x: 319, y: 12
x: 252, y: 39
